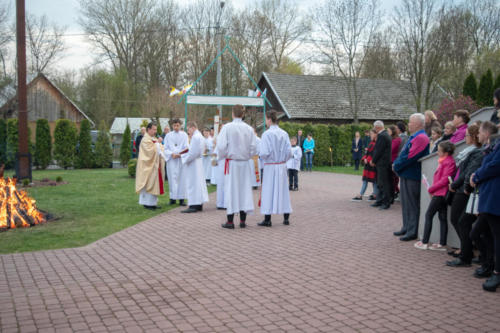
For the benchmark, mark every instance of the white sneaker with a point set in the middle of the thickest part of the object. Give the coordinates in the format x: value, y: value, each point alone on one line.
x: 421, y: 246
x: 437, y: 247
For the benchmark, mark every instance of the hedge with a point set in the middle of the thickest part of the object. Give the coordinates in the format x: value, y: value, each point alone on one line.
x: 339, y: 138
x: 65, y: 140
x: 43, y: 144
x: 132, y: 165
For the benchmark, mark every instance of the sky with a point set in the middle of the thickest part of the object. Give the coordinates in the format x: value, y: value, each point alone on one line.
x: 79, y: 54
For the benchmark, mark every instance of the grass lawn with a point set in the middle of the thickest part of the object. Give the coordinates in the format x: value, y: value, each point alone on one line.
x: 94, y: 204
x: 339, y: 169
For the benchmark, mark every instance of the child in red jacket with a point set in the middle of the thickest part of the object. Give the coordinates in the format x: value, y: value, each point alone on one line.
x: 437, y: 191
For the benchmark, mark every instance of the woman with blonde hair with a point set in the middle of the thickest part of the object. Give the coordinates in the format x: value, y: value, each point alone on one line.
x: 430, y: 122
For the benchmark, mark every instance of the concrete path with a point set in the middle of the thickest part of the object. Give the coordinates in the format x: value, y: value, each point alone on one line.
x: 336, y: 268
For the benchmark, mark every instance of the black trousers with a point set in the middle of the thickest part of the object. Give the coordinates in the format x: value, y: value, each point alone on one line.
x: 457, y: 209
x: 464, y: 228
x: 494, y: 223
x: 356, y: 163
x: 482, y: 237
x: 384, y: 184
x: 437, y: 205
x: 293, y: 178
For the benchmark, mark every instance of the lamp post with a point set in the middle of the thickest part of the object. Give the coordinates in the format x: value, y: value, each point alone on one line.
x: 219, y: 64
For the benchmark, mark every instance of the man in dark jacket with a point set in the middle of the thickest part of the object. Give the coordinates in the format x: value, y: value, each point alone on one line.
x: 409, y: 170
x: 382, y: 161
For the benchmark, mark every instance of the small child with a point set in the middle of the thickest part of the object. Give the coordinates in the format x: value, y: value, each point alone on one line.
x: 293, y: 165
x: 437, y: 191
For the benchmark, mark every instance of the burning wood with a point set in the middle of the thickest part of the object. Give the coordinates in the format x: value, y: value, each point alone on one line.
x: 17, y: 209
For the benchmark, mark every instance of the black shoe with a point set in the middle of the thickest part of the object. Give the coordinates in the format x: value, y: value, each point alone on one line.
x: 492, y: 283
x: 172, y: 201
x: 399, y: 233
x: 457, y: 263
x: 376, y: 204
x: 221, y: 208
x: 477, y: 261
x: 228, y: 225
x: 452, y: 251
x: 407, y: 238
x: 286, y: 222
x: 191, y: 209
x: 290, y: 188
x: 372, y: 198
x: 483, y: 272
x: 181, y: 203
x: 243, y: 225
x: 384, y: 207
x: 265, y: 224
x: 150, y: 207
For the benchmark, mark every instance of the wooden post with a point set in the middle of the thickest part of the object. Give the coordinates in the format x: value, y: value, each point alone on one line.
x: 23, y: 161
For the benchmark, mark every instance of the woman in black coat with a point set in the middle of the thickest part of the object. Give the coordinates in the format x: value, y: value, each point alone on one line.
x: 357, y: 150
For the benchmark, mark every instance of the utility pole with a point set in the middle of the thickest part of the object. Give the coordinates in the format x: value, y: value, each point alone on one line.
x: 219, y: 64
x: 23, y: 160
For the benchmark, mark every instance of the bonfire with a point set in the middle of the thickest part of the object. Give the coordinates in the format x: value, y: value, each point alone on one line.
x: 17, y: 209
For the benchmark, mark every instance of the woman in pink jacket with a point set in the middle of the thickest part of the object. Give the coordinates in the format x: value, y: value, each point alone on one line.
x: 437, y: 191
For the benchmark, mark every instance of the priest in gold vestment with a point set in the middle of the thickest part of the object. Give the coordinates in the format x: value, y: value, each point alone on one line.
x: 150, y: 169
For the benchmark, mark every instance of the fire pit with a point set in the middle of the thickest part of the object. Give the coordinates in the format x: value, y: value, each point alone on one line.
x: 17, y: 209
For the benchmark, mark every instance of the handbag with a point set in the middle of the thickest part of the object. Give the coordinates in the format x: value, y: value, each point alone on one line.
x: 449, y: 197
x: 472, y: 203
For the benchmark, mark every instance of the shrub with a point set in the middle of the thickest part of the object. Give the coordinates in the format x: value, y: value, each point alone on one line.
x: 43, y: 144
x: 125, y: 149
x: 85, y: 158
x: 59, y: 179
x: 485, y: 90
x: 448, y: 106
x: 12, y: 142
x: 132, y: 165
x: 26, y: 182
x: 65, y: 143
x: 3, y: 141
x: 470, y: 87
x: 497, y: 83
x: 103, y: 151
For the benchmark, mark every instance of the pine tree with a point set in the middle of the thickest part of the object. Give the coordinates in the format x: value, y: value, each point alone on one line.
x: 3, y: 141
x: 485, y: 91
x: 85, y: 156
x: 65, y: 140
x: 125, y: 149
x: 103, y: 151
x: 470, y: 87
x: 497, y: 83
x: 43, y: 144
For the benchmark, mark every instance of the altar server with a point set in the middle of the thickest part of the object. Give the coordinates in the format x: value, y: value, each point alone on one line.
x: 275, y: 151
x: 176, y: 142
x: 150, y: 169
x: 207, y: 155
x: 293, y: 165
x: 196, y: 187
x: 236, y: 143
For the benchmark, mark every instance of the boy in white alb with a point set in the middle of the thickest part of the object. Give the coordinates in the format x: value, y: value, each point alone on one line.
x: 175, y: 143
x: 236, y: 144
x: 275, y: 151
x: 293, y: 165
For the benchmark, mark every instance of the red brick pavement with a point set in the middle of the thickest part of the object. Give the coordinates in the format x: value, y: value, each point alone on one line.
x: 336, y: 268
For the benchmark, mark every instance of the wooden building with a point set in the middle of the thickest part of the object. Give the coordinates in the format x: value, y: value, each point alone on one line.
x: 45, y: 101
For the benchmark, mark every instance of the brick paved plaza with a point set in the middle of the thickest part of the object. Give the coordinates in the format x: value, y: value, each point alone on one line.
x: 336, y: 268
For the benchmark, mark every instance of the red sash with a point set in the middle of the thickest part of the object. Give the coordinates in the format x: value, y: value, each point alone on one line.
x: 226, y: 166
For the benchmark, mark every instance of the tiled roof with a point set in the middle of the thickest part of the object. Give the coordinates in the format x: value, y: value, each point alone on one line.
x: 326, y: 97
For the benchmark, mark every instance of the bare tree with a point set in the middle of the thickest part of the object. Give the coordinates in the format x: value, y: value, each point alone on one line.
x: 285, y: 26
x: 380, y: 59
x: 483, y: 23
x: 45, y: 42
x: 347, y: 25
x: 420, y: 46
x: 5, y: 37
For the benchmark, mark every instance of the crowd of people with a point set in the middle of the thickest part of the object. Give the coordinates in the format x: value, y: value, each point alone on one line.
x: 467, y: 181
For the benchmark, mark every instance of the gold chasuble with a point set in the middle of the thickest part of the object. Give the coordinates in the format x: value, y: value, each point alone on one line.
x: 150, y: 167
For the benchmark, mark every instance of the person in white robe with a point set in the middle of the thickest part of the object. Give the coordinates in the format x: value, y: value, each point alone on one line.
x: 207, y: 154
x: 275, y: 151
x: 236, y: 144
x: 176, y: 142
x: 293, y: 165
x: 196, y: 187
x: 218, y: 176
x: 150, y: 169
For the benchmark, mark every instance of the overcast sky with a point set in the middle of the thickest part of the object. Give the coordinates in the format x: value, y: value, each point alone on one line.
x: 79, y: 52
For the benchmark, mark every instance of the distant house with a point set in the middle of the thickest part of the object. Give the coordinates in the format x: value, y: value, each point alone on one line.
x: 45, y: 101
x: 325, y: 99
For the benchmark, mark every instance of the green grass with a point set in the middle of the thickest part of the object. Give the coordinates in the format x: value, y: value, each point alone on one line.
x: 94, y: 204
x: 340, y: 169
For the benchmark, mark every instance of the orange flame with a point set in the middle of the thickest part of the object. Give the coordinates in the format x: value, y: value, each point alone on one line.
x: 17, y: 209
